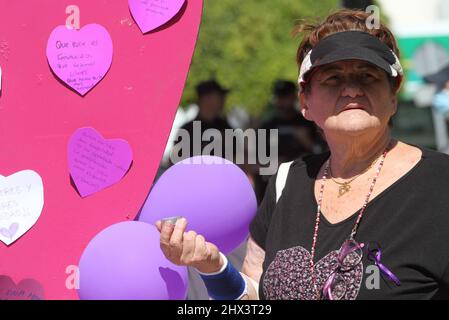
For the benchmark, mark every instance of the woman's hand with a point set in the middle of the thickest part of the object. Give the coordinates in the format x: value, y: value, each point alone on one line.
x: 188, y: 248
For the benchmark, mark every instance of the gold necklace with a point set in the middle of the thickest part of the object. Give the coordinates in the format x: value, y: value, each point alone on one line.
x: 345, y: 187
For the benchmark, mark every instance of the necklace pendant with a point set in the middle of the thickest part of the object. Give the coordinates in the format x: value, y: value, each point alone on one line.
x: 343, y: 189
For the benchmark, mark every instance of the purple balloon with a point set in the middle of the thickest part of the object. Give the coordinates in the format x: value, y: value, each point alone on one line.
x: 125, y: 262
x: 212, y: 193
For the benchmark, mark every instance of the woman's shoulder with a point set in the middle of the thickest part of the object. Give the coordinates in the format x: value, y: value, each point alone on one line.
x: 431, y: 175
x: 309, y: 163
x: 435, y: 163
x: 431, y: 187
x: 438, y: 155
x: 310, y: 160
x: 435, y: 160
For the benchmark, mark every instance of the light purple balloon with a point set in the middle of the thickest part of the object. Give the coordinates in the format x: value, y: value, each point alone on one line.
x: 125, y: 262
x: 213, y: 194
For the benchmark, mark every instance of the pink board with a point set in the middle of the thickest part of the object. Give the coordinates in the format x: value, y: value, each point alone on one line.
x: 136, y: 101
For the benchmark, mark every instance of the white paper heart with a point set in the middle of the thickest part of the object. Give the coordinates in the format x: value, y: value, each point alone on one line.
x: 21, y: 203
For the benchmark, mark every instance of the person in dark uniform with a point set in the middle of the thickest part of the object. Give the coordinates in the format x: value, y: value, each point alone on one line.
x: 441, y: 98
x: 211, y: 101
x: 296, y: 135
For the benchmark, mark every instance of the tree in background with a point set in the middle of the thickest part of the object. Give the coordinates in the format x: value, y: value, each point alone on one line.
x: 247, y: 44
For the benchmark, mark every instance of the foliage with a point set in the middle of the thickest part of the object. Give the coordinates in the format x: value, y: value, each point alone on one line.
x: 247, y: 44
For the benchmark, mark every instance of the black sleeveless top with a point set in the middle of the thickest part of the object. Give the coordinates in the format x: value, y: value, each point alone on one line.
x: 408, y: 222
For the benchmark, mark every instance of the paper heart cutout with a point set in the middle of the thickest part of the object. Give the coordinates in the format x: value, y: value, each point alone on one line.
x: 151, y: 14
x: 80, y: 58
x: 288, y: 276
x: 27, y: 289
x: 11, y: 231
x: 96, y: 163
x: 21, y: 203
x: 137, y: 101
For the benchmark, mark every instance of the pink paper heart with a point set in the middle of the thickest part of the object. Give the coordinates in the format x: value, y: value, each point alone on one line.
x: 80, y: 58
x: 137, y: 102
x: 27, y: 289
x: 96, y: 163
x: 288, y: 276
x: 151, y: 14
x: 9, y: 233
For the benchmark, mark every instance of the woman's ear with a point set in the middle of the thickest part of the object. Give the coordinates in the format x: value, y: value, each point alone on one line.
x: 303, y: 105
x: 304, y: 112
x: 394, y: 101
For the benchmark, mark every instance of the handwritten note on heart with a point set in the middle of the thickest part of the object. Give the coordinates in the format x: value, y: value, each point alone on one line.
x: 151, y: 14
x: 21, y: 203
x: 80, y: 58
x: 96, y: 163
x: 27, y: 289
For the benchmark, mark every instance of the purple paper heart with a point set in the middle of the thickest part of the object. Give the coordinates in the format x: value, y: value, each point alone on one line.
x: 151, y: 14
x: 80, y: 58
x: 96, y: 163
x: 27, y: 289
x: 10, y: 233
x: 288, y: 277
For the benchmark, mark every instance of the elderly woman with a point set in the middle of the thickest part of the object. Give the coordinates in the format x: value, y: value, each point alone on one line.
x: 367, y: 220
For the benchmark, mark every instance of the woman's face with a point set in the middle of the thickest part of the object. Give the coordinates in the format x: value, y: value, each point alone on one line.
x: 349, y: 97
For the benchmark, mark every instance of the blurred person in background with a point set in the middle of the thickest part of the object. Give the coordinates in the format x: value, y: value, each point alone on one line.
x: 296, y: 135
x: 211, y: 102
x: 441, y: 99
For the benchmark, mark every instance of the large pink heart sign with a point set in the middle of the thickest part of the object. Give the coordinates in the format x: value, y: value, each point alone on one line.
x: 136, y: 101
x: 151, y: 14
x: 96, y: 163
x: 27, y: 289
x: 80, y: 58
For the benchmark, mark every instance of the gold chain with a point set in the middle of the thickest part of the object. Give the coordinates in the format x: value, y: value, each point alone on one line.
x: 345, y: 186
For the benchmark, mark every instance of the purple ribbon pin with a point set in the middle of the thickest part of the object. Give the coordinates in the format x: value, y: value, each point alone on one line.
x: 376, y: 255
